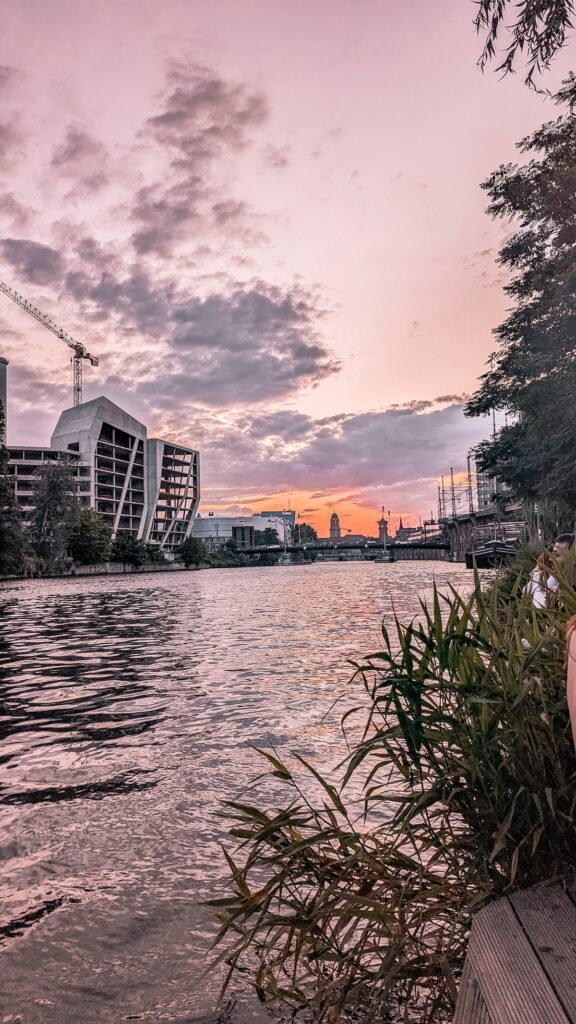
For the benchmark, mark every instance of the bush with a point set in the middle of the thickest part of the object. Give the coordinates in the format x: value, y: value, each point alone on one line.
x: 467, y: 774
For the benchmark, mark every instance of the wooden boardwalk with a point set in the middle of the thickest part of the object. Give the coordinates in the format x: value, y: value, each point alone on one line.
x: 521, y: 962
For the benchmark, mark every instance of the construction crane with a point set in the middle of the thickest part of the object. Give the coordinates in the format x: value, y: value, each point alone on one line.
x: 79, y: 350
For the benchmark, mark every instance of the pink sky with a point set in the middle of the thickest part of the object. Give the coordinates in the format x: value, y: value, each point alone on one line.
x: 265, y: 218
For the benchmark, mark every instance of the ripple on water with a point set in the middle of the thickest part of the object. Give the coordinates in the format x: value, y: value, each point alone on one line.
x: 129, y: 709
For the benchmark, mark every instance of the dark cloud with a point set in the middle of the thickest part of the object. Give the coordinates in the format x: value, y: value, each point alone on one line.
x: 82, y: 159
x: 13, y: 211
x: 252, y: 345
x: 203, y: 121
x: 33, y: 262
x: 364, y: 451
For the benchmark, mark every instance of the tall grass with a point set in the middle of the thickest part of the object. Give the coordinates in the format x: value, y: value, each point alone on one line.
x: 468, y: 783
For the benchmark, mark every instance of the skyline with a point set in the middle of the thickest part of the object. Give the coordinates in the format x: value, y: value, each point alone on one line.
x: 269, y: 227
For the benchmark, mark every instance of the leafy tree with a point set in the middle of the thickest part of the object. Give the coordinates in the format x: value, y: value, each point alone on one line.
x: 265, y: 538
x: 128, y: 550
x: 191, y: 552
x: 533, y: 375
x: 154, y: 553
x: 306, y: 534
x: 536, y: 29
x: 54, y: 500
x: 88, y: 536
x: 12, y: 544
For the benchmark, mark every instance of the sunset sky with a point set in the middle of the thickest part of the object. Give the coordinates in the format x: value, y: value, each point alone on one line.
x: 265, y: 219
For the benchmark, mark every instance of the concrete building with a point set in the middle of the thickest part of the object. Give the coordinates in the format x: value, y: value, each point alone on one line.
x: 487, y: 489
x: 144, y: 486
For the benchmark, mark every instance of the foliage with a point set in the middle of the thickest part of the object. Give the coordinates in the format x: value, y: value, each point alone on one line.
x: 538, y: 30
x: 88, y: 536
x: 12, y: 543
x: 266, y: 538
x: 466, y: 772
x: 306, y: 534
x: 191, y: 552
x: 154, y: 554
x: 54, y: 500
x: 128, y: 550
x: 533, y: 375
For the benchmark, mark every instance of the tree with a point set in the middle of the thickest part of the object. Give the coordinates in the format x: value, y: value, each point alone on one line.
x: 306, y: 534
x: 128, y: 550
x: 88, y: 536
x: 537, y: 29
x: 54, y: 500
x: 265, y: 538
x: 12, y: 543
x: 154, y: 553
x: 191, y: 552
x: 533, y: 375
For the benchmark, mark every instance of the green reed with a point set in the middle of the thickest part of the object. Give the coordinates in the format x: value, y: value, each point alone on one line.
x: 468, y: 782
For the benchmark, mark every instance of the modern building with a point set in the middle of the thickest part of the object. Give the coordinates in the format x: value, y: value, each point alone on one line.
x: 24, y: 463
x: 214, y: 530
x: 335, y: 532
x: 487, y: 489
x: 147, y: 487
x: 288, y: 515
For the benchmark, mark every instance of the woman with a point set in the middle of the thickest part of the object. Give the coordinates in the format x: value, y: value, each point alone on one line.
x: 571, y: 672
x: 541, y: 584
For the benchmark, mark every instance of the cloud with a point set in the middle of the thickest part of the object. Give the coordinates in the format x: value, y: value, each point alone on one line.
x: 34, y: 262
x: 380, y: 449
x: 204, y: 121
x: 82, y: 159
x: 254, y: 344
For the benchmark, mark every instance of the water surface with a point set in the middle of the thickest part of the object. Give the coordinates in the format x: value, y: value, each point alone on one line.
x: 129, y: 708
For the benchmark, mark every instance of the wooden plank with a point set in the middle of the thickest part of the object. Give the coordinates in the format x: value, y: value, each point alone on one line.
x: 513, y: 984
x: 548, y: 917
x: 470, y: 1007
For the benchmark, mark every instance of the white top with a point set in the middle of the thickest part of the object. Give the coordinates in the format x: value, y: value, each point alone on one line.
x: 540, y: 588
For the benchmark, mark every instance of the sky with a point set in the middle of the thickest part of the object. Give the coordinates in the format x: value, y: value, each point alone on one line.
x: 266, y: 220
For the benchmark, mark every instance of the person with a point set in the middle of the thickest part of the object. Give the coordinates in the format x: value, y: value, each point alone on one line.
x: 562, y: 546
x: 541, y: 583
x: 571, y: 672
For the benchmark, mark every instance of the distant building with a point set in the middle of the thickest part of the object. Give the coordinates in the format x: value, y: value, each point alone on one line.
x: 404, y: 533
x: 383, y: 529
x: 487, y: 489
x: 335, y: 532
x: 215, y: 530
x: 285, y: 514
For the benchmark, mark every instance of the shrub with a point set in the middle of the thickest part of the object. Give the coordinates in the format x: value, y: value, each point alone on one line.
x: 467, y: 776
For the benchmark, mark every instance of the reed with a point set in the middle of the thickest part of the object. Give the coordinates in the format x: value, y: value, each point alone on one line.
x: 467, y: 777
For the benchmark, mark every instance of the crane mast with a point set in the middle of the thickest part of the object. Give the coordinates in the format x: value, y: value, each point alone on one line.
x: 80, y: 352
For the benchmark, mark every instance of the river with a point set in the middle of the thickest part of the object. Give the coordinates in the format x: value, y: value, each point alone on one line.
x: 128, y: 712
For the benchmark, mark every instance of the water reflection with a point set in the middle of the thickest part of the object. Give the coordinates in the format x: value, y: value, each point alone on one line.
x: 129, y: 709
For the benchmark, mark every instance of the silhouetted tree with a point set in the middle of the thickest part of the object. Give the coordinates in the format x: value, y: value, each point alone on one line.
x: 88, y: 536
x: 129, y: 551
x: 535, y: 31
x: 54, y: 499
x: 533, y: 375
x: 191, y: 552
x: 12, y: 542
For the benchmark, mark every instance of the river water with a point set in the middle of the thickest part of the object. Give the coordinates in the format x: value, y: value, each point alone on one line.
x: 128, y: 712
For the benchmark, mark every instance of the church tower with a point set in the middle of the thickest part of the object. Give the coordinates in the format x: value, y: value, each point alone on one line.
x: 383, y: 528
x: 334, y: 527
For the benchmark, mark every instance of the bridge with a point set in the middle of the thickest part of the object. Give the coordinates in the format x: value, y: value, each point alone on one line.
x: 437, y: 550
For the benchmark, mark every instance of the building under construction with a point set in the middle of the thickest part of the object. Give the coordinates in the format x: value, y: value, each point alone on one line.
x: 145, y: 486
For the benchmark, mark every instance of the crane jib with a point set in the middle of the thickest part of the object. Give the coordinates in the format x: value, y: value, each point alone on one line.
x: 80, y: 351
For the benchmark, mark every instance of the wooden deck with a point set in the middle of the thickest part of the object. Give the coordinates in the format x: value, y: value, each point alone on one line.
x: 521, y: 962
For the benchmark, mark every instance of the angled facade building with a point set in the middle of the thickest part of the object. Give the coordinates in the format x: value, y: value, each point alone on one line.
x: 149, y: 488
